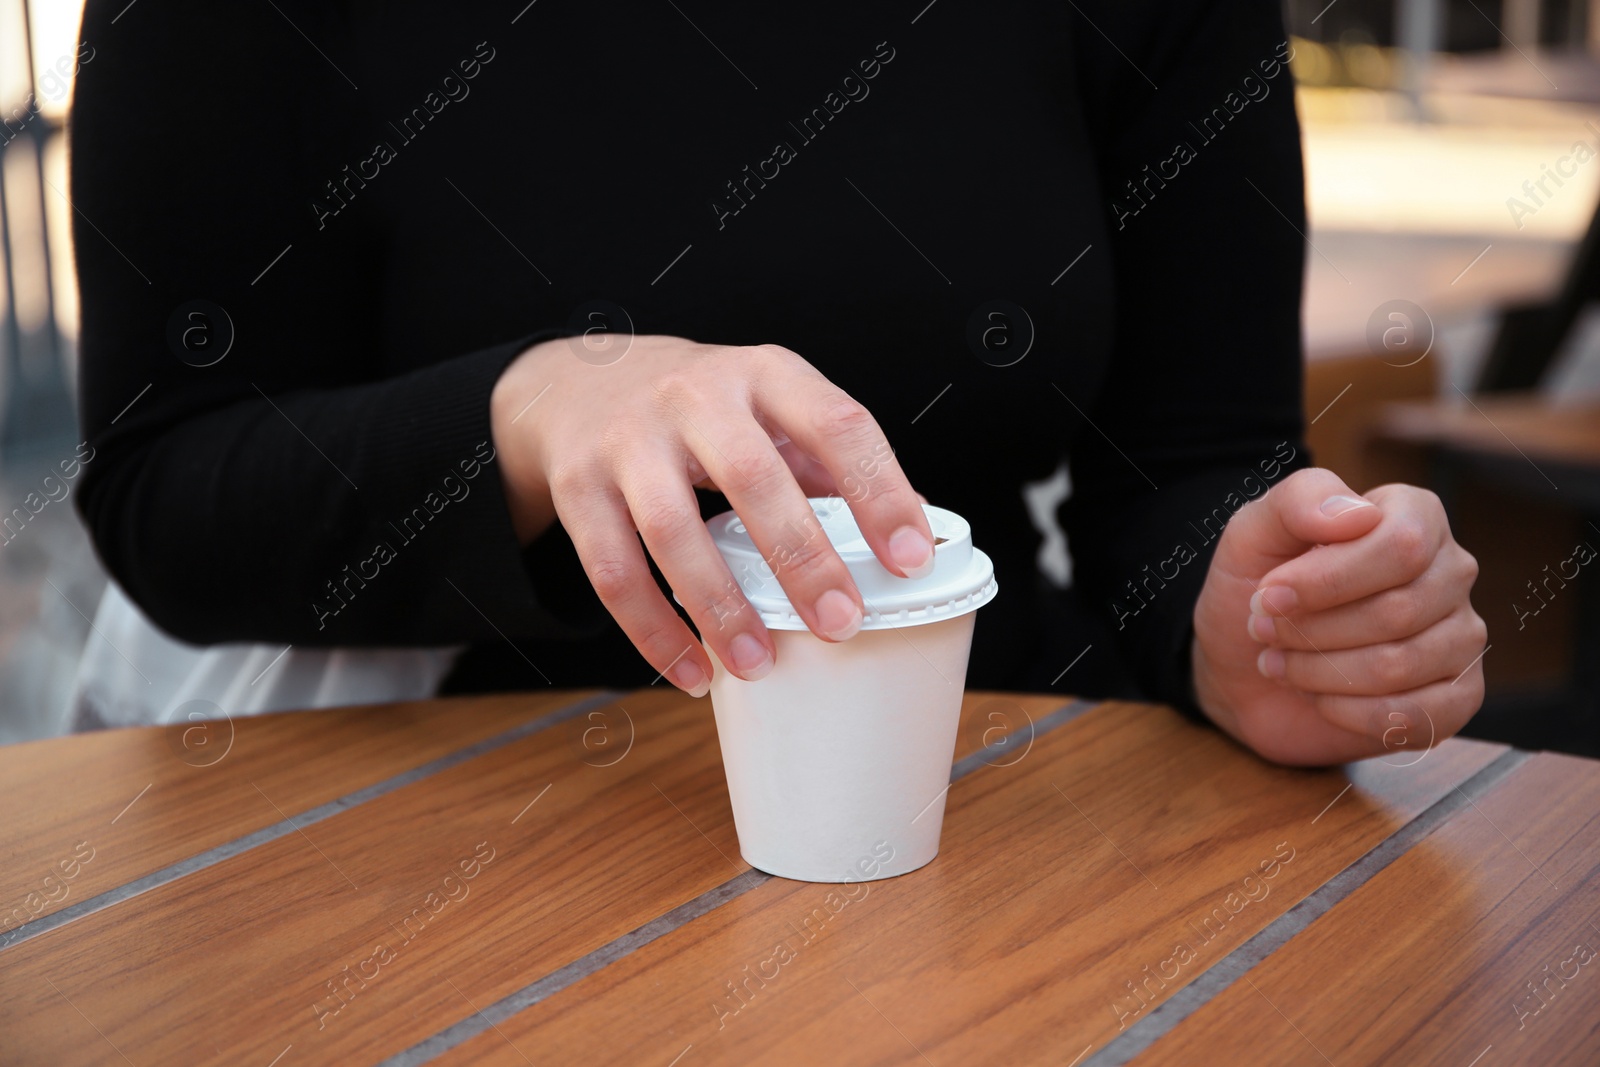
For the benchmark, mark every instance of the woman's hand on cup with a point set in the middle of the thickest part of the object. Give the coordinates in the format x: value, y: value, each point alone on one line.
x: 615, y: 451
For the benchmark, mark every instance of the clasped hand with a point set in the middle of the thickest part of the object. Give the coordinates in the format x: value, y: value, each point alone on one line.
x: 1334, y: 626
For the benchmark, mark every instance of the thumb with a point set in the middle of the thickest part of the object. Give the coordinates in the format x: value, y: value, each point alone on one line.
x: 1310, y: 507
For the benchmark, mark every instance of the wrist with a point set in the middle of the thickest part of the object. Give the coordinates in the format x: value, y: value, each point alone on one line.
x: 514, y: 410
x: 1209, y: 694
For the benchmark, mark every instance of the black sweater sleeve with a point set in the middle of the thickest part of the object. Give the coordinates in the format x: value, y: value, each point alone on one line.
x: 1192, y: 109
x: 301, y: 486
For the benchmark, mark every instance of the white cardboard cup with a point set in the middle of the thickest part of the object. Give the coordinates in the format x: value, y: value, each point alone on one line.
x: 839, y: 760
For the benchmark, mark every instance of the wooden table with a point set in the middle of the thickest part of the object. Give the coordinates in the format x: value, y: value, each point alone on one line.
x: 555, y: 878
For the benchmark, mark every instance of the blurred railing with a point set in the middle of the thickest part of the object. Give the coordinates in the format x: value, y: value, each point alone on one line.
x: 50, y: 582
x: 38, y: 294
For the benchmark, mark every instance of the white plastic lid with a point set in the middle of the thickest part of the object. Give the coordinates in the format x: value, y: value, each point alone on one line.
x: 962, y: 579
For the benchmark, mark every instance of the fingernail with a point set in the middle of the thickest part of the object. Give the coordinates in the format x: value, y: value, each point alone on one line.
x: 1274, y: 599
x: 1270, y: 663
x: 750, y: 657
x: 1335, y: 506
x: 912, y: 552
x: 1263, y: 629
x: 837, y: 616
x: 688, y: 676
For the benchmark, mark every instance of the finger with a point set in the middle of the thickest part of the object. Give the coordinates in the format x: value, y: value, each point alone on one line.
x: 1391, y: 615
x: 814, y: 479
x: 1440, y: 652
x: 745, y: 464
x: 829, y: 424
x: 812, y: 476
x: 616, y: 567
x: 1402, y: 726
x: 667, y: 517
x: 1410, y: 530
x: 1308, y: 508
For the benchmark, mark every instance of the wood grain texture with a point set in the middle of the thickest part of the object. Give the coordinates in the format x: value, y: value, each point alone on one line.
x: 1061, y: 878
x: 199, y: 785
x: 280, y: 946
x: 1485, y: 934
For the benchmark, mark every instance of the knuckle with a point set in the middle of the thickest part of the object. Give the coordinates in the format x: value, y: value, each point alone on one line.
x: 1384, y: 722
x: 671, y: 387
x: 570, y: 479
x: 771, y: 353
x: 1431, y: 504
x: 613, y: 579
x: 658, y: 640
x: 889, y: 494
x: 843, y: 417
x: 1456, y: 704
x: 1393, y: 664
x: 759, y: 465
x: 715, y: 612
x: 661, y: 521
x: 1264, y: 502
x: 1412, y: 544
x: 1401, y: 724
x: 1401, y: 611
x: 804, y: 555
x: 1324, y: 585
x: 1420, y: 494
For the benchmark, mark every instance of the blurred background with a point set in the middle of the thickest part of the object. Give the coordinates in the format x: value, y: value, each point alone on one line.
x: 1452, y: 153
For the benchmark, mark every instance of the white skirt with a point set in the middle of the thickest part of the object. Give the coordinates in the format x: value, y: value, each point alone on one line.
x: 134, y: 674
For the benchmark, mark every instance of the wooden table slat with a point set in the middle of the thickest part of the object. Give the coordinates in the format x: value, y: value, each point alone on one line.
x: 90, y: 812
x: 567, y: 853
x: 1062, y: 877
x: 1502, y: 949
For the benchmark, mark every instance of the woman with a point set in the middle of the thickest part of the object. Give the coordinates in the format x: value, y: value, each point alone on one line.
x: 343, y: 372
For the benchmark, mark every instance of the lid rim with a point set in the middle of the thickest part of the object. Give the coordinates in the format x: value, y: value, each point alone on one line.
x: 902, y: 619
x: 961, y: 579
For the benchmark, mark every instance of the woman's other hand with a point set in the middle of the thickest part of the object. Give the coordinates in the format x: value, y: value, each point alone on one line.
x: 1334, y: 626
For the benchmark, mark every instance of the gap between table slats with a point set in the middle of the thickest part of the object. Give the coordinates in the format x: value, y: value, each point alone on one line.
x: 1194, y: 996
x: 229, y: 849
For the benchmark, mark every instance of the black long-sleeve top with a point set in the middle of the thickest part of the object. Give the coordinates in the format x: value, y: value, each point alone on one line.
x: 310, y: 236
